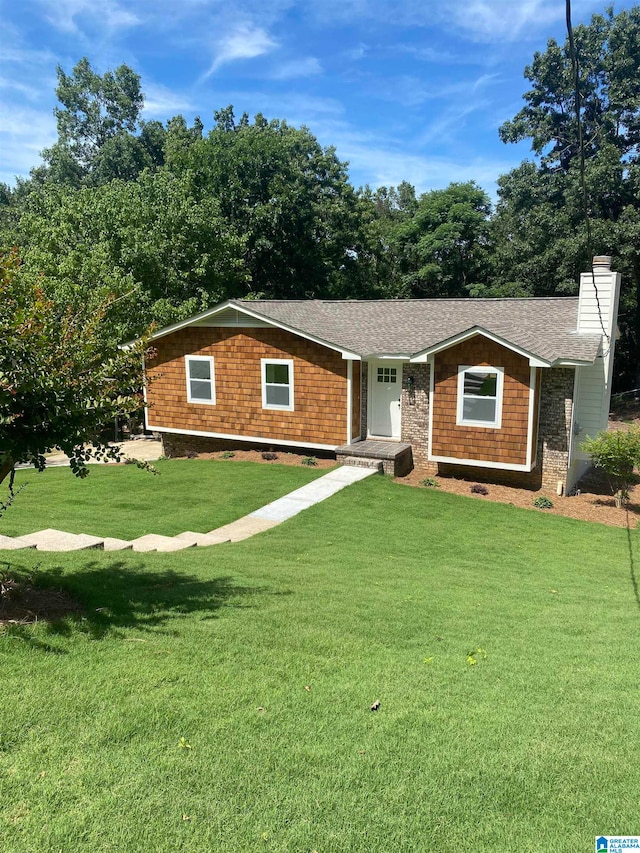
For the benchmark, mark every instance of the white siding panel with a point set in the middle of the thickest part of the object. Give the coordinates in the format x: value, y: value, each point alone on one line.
x: 591, y: 408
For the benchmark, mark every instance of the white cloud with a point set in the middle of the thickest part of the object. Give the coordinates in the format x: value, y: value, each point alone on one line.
x: 244, y: 42
x: 297, y: 68
x: 109, y: 15
x: 24, y: 132
x: 162, y: 102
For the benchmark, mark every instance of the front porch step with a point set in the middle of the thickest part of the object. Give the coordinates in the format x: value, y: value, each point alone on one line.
x: 58, y: 540
x: 395, y: 457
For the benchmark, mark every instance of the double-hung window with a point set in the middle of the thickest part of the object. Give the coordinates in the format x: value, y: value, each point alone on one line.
x: 480, y: 396
x: 277, y: 383
x: 201, y: 383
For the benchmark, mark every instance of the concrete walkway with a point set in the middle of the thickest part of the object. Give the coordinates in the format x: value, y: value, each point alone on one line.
x: 143, y: 449
x: 256, y: 522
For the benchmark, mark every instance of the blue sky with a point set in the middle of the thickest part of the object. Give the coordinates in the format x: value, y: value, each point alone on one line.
x: 408, y: 90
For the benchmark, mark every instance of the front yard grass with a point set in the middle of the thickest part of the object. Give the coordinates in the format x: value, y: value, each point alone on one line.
x: 121, y: 501
x: 219, y: 699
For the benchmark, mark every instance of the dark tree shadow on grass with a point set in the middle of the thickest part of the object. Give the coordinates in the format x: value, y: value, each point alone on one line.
x: 632, y: 564
x: 123, y: 595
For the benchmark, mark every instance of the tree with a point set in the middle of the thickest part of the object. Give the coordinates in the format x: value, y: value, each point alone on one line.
x: 539, y: 229
x: 618, y: 453
x: 59, y: 382
x: 166, y: 252
x: 100, y: 135
x: 286, y: 198
x: 441, y: 245
x: 608, y: 51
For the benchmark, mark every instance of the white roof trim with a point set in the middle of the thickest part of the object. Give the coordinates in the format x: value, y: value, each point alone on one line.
x: 395, y: 356
x: 534, y: 360
x: 256, y: 315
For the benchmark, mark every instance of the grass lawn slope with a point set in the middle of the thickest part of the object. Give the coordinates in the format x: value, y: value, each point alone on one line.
x: 219, y: 699
x: 122, y: 501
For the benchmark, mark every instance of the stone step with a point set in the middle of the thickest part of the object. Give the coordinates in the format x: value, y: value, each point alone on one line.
x: 203, y: 539
x: 7, y: 543
x: 243, y: 528
x: 59, y: 540
x: 155, y: 542
x: 111, y: 543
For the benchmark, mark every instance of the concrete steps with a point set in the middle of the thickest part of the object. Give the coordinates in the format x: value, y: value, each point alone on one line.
x: 59, y: 540
x: 256, y: 522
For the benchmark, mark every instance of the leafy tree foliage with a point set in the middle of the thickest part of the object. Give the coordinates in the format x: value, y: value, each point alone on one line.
x: 443, y: 245
x: 286, y: 198
x: 608, y: 52
x: 539, y: 230
x: 59, y: 382
x: 100, y: 135
x: 165, y: 252
x: 617, y: 452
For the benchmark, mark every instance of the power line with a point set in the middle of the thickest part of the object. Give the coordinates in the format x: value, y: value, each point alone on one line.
x: 583, y: 183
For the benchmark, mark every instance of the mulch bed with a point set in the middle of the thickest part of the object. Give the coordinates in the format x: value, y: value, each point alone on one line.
x: 282, y: 457
x: 594, y: 503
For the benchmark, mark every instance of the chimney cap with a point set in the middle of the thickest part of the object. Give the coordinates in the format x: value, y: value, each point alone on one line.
x: 602, y: 261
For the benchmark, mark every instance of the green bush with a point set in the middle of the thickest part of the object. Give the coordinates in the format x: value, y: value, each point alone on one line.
x: 309, y: 460
x: 617, y: 453
x: 543, y: 503
x: 430, y: 482
x: 227, y: 454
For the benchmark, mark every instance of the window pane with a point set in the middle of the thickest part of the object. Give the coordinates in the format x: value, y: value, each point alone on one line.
x: 200, y: 369
x: 200, y: 390
x: 480, y: 384
x: 387, y: 375
x: 277, y: 373
x: 479, y: 409
x: 277, y: 395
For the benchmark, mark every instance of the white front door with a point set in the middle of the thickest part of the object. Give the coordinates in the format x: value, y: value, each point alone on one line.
x: 385, y: 388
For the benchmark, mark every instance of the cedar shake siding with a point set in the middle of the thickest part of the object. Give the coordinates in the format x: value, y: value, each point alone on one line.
x: 506, y: 445
x: 319, y: 386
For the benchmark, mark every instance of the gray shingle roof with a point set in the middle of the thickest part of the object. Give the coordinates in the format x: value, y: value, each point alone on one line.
x: 543, y: 327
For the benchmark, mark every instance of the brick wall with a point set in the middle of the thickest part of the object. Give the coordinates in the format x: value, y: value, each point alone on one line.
x: 414, y: 407
x: 556, y: 403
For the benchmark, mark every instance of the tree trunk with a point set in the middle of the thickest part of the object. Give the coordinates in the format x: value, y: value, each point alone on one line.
x: 6, y: 467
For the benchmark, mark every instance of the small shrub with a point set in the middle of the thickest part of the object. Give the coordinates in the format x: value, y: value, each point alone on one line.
x: 309, y: 460
x: 268, y: 456
x: 430, y: 482
x: 543, y: 503
x: 227, y: 454
x: 617, y: 453
x: 479, y: 489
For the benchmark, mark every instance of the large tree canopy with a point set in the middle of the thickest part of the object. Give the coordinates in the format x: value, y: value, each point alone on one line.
x: 540, y: 232
x: 608, y: 51
x: 173, y: 220
x: 286, y: 197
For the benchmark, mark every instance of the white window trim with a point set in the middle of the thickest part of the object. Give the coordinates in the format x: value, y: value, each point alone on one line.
x: 263, y: 364
x: 187, y: 360
x: 482, y: 368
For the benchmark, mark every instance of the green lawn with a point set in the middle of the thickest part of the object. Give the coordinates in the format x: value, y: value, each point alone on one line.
x: 536, y: 747
x: 187, y: 494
